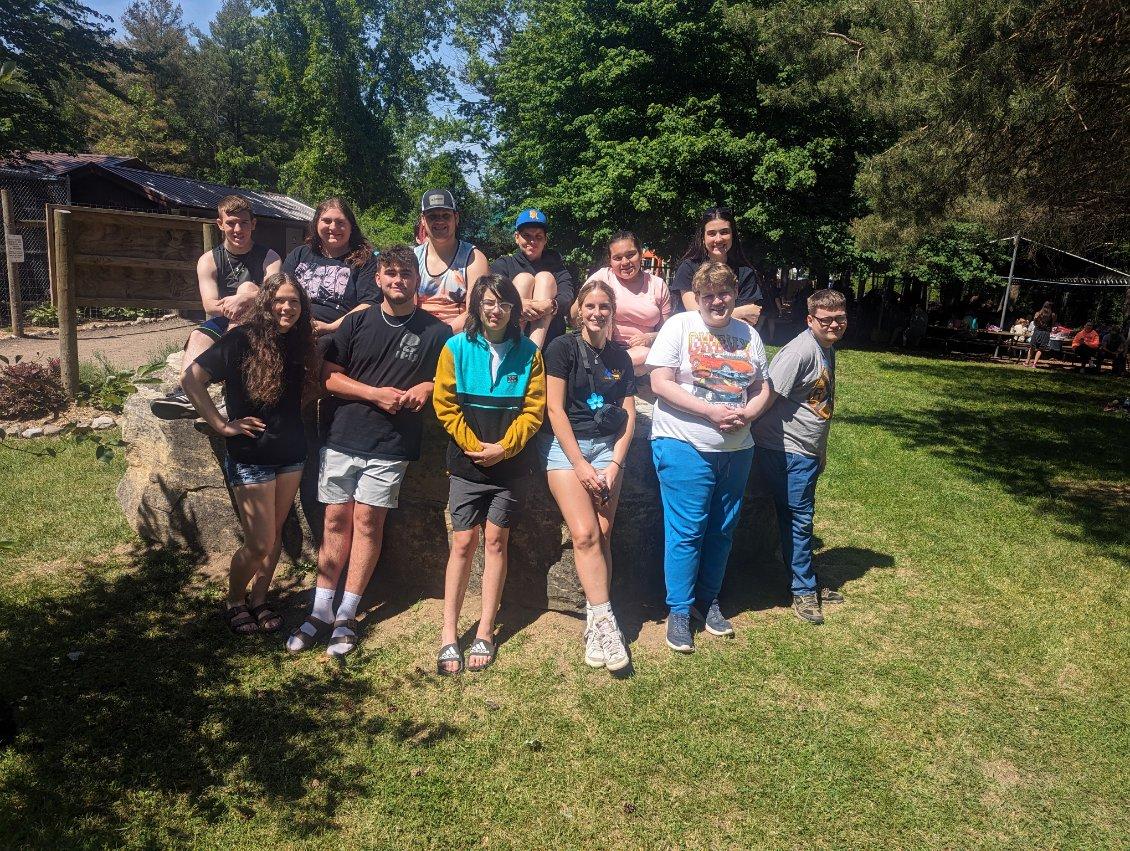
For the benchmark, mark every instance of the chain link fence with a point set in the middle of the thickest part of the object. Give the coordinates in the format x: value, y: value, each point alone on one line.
x: 30, y: 193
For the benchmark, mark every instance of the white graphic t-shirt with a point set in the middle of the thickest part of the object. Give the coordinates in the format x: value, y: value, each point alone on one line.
x: 715, y: 364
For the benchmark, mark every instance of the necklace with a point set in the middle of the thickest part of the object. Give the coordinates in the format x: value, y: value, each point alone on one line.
x: 398, y: 324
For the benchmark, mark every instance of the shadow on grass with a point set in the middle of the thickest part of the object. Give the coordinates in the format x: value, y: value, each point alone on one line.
x: 165, y: 705
x: 1044, y: 440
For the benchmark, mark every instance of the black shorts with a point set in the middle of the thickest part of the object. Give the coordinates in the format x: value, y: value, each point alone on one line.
x: 473, y: 503
x: 215, y: 327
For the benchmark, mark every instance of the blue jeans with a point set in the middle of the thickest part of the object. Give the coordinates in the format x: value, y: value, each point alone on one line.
x: 792, y: 481
x: 702, y: 499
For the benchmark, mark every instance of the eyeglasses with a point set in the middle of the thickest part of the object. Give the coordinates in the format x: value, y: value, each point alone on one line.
x: 504, y: 306
x: 725, y: 295
x: 829, y: 321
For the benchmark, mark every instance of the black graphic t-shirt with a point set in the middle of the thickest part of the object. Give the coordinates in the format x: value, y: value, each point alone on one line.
x: 283, y: 441
x: 749, y: 288
x: 382, y: 351
x: 612, y: 373
x: 334, y: 287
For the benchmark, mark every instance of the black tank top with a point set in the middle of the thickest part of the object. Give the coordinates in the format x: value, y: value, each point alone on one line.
x: 233, y: 269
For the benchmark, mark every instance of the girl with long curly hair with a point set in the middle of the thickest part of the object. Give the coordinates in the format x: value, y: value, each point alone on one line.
x: 265, y: 363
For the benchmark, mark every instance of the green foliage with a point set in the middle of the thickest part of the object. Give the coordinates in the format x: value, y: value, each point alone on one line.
x: 43, y: 315
x: 106, y: 388
x: 29, y: 389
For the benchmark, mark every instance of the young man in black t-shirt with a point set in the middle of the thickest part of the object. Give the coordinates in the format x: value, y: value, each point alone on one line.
x: 378, y: 368
x: 229, y: 277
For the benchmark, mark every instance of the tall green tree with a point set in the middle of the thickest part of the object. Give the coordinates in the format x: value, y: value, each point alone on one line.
x: 47, y: 48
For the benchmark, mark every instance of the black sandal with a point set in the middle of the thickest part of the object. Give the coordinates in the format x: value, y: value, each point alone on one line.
x: 268, y: 619
x: 240, y: 620
x: 449, y: 653
x: 348, y: 641
x: 484, y: 648
x: 306, y: 640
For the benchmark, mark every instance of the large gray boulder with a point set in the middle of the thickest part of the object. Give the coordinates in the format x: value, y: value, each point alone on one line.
x: 174, y: 493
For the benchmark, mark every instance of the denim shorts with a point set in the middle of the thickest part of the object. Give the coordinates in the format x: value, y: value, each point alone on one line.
x: 596, y: 450
x: 238, y: 473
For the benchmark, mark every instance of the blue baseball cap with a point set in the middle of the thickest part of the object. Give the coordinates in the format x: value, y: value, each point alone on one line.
x: 531, y: 217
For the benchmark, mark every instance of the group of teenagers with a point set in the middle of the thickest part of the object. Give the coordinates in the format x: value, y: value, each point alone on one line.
x: 378, y: 336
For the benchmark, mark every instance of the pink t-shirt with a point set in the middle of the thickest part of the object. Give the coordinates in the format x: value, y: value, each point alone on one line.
x: 636, y: 313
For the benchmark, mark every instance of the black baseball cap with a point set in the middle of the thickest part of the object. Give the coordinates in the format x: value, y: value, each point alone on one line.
x: 437, y: 199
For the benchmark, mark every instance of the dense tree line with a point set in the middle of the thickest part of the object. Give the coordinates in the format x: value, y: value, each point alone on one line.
x: 849, y: 135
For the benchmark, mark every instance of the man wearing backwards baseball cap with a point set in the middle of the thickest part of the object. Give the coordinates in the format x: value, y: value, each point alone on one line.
x: 448, y: 266
x: 540, y: 276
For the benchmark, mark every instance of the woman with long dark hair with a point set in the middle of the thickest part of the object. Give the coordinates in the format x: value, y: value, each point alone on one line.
x: 717, y: 239
x: 336, y: 266
x: 590, y: 387
x: 1041, y: 341
x: 490, y: 397
x: 265, y: 363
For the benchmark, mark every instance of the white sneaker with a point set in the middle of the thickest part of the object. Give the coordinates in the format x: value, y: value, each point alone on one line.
x: 611, y: 642
x: 594, y: 652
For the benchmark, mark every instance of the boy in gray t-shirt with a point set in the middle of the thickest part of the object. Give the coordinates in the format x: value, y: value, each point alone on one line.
x: 792, y: 438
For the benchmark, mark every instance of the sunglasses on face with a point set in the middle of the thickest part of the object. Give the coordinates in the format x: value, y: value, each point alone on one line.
x: 829, y: 321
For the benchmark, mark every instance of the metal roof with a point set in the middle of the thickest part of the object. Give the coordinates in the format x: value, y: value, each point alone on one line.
x: 186, y: 192
x: 51, y: 163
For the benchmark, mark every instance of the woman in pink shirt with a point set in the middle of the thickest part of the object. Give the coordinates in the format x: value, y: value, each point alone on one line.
x: 643, y: 301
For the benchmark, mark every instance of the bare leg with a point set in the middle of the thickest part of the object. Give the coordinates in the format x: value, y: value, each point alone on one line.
x: 256, y: 504
x: 579, y: 511
x: 286, y: 486
x: 368, y: 534
x: 198, y: 343
x: 494, y: 577
x: 337, y: 538
x: 545, y: 289
x: 463, y: 545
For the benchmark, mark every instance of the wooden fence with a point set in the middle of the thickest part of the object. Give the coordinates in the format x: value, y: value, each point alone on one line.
x: 111, y: 258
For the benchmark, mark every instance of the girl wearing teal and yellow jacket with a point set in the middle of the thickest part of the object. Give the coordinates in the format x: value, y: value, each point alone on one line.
x: 490, y: 396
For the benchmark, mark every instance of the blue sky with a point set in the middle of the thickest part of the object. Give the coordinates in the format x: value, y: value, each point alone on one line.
x: 198, y: 12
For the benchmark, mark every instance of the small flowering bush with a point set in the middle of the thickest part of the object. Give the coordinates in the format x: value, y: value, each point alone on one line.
x: 29, y: 389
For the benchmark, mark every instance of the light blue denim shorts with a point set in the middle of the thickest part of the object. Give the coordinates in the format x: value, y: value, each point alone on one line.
x: 597, y: 451
x: 255, y: 474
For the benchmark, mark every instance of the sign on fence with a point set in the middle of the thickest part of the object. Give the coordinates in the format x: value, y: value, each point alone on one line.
x: 14, y: 247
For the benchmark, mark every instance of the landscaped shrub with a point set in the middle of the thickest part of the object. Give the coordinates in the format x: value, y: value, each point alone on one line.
x: 42, y: 315
x: 29, y: 389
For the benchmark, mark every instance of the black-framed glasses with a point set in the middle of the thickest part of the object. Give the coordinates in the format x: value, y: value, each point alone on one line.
x: 829, y: 321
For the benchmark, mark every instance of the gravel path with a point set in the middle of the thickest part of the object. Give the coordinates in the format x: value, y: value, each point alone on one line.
x: 126, y: 346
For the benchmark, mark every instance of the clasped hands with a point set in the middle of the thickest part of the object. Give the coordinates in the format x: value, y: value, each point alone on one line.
x: 394, y: 400
x: 729, y: 418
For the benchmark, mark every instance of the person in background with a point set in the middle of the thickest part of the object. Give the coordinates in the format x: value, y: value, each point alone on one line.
x: 717, y: 239
x: 539, y: 275
x: 1041, y: 340
x: 378, y: 371
x: 1114, y: 347
x: 643, y: 301
x: 335, y: 265
x: 792, y: 441
x: 709, y: 377
x: 445, y: 261
x: 265, y: 363
x: 490, y: 398
x: 1019, y: 329
x: 591, y: 410
x: 229, y: 277
x: 1087, y: 345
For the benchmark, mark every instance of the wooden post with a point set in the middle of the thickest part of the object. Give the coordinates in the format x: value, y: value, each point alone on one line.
x: 15, y: 293
x: 65, y: 302
x: 209, y: 236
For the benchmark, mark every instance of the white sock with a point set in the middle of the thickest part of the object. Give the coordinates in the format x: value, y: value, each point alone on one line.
x: 323, y: 610
x: 598, y: 610
x: 346, y: 611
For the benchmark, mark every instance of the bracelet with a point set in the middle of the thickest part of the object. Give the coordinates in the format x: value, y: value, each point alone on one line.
x: 617, y: 463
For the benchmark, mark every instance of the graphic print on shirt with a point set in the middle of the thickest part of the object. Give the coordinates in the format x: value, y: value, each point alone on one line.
x: 450, y: 282
x: 721, y: 367
x: 323, y: 283
x: 408, y: 348
x: 820, y: 400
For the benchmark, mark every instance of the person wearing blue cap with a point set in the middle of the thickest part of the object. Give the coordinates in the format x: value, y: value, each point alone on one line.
x: 539, y: 275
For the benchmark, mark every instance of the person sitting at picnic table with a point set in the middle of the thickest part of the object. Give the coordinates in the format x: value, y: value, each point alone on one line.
x: 1114, y: 347
x: 1087, y: 345
x: 1019, y: 329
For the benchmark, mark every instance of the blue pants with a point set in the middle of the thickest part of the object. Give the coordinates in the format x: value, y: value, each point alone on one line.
x: 792, y: 481
x: 702, y: 498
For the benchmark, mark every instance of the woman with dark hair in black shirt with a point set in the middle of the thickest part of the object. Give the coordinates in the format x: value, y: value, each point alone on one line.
x: 717, y: 239
x: 264, y: 364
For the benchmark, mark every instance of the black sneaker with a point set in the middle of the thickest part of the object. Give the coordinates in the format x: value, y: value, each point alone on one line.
x: 714, y: 622
x: 807, y: 608
x: 679, y: 636
x: 175, y: 406
x: 827, y: 595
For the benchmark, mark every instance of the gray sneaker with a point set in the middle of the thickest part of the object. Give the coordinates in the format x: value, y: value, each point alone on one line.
x: 611, y: 642
x: 679, y: 636
x: 714, y: 622
x: 807, y: 608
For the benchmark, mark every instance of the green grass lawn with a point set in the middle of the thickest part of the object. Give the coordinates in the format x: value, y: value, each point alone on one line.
x: 971, y: 693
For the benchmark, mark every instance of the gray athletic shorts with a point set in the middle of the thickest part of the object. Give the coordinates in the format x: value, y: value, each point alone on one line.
x: 348, y: 478
x: 473, y: 503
